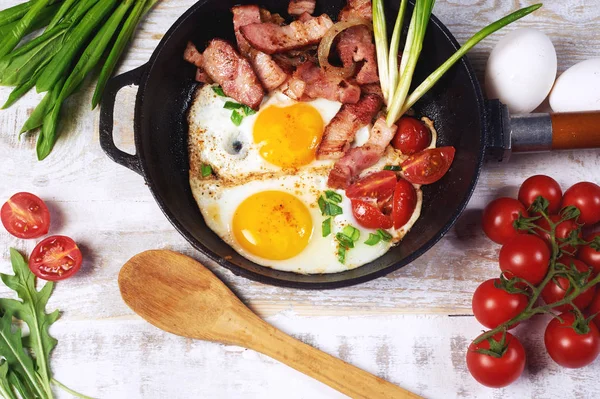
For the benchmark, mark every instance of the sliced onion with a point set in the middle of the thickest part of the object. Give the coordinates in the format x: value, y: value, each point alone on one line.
x: 327, y: 42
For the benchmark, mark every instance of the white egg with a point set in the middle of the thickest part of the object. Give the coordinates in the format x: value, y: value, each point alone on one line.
x: 578, y: 88
x: 521, y: 70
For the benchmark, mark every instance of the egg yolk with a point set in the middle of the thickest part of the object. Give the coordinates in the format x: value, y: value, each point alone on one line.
x: 288, y: 136
x: 273, y: 225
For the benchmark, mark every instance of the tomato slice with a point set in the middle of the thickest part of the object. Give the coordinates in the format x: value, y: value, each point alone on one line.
x: 378, y: 185
x: 55, y: 258
x: 428, y: 166
x: 369, y: 216
x: 405, y: 202
x: 25, y: 216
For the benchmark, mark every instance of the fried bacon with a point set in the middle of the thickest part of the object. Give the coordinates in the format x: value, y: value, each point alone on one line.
x: 309, y: 81
x: 299, y: 7
x: 357, y: 9
x: 356, y: 45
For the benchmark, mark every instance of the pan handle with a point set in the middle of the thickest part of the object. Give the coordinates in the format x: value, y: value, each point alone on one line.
x: 107, y: 142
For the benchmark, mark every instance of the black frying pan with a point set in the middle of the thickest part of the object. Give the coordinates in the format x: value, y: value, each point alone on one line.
x: 166, y: 86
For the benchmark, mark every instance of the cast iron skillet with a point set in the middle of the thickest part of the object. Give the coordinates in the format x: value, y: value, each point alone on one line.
x: 166, y: 86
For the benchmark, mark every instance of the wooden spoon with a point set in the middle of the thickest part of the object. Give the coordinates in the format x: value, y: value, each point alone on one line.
x: 179, y: 295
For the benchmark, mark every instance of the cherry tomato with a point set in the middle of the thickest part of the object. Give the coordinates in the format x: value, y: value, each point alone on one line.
x: 563, y: 230
x: 568, y: 347
x: 428, y: 166
x: 497, y: 372
x: 557, y: 288
x: 594, y: 308
x: 527, y: 257
x: 55, y: 258
x: 412, y: 136
x: 369, y: 216
x: 589, y: 255
x: 586, y: 197
x: 541, y: 185
x: 498, y: 218
x: 378, y: 185
x: 25, y: 216
x: 493, y: 306
x: 405, y: 202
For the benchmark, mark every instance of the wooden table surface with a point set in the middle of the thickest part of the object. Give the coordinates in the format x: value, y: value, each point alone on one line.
x: 411, y: 327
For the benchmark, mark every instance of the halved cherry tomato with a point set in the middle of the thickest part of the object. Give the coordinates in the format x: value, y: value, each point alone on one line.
x: 25, y: 215
x: 563, y: 230
x: 428, y: 166
x: 412, y: 136
x: 55, y: 258
x: 369, y: 216
x: 559, y: 286
x: 378, y: 185
x: 405, y: 202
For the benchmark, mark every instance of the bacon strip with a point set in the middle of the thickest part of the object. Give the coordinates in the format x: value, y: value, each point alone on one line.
x: 266, y: 16
x: 269, y: 73
x: 233, y: 72
x: 357, y: 159
x: 310, y: 81
x: 357, y: 9
x: 356, y: 45
x: 340, y: 132
x: 299, y: 7
x: 271, y: 38
x: 193, y: 56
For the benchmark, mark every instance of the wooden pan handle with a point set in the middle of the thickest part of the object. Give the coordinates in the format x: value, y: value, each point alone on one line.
x: 331, y: 371
x: 575, y: 130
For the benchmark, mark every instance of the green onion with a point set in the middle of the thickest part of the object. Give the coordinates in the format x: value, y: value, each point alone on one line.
x: 344, y: 240
x: 373, y: 239
x: 218, y: 90
x: 333, y: 196
x: 326, y: 227
x: 395, y: 43
x: 236, y: 118
x: 381, y: 46
x: 322, y: 204
x: 394, y: 168
x: 232, y: 105
x: 352, y: 232
x: 206, y: 170
x: 332, y: 209
x: 341, y: 254
x: 385, y: 236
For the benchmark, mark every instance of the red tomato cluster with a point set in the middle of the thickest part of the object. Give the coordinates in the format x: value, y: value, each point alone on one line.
x: 528, y: 253
x: 55, y: 258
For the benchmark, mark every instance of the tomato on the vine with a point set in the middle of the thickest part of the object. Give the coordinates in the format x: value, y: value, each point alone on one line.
x: 500, y: 370
x: 55, y: 258
x: 594, y: 308
x: 493, y: 306
x: 25, y: 215
x: 557, y: 288
x: 563, y: 231
x: 498, y: 219
x: 544, y: 186
x: 412, y: 136
x: 526, y: 257
x: 428, y: 166
x: 589, y: 255
x: 586, y: 197
x: 570, y: 345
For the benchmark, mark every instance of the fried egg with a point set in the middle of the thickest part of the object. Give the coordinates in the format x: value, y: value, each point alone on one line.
x: 262, y: 197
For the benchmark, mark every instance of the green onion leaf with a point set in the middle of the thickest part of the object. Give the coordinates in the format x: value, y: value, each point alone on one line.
x: 322, y: 205
x: 206, y: 170
x: 332, y: 209
x: 344, y: 240
x: 352, y: 232
x: 341, y: 254
x: 373, y: 239
x: 237, y: 117
x: 333, y: 196
x: 385, y: 236
x: 218, y: 91
x: 395, y: 168
x: 232, y: 105
x: 326, y: 227
x: 248, y: 111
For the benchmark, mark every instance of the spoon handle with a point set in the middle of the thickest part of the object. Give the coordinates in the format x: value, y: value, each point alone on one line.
x: 331, y: 371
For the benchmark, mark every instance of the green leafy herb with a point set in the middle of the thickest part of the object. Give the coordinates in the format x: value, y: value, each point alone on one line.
x: 385, y: 236
x: 333, y: 196
x: 326, y: 227
x: 373, y: 239
x: 352, y: 232
x: 395, y: 168
x: 344, y: 240
x: 332, y: 209
x: 206, y: 170
x: 237, y: 117
x: 218, y: 91
x: 322, y: 204
x: 239, y: 111
x: 341, y: 254
x: 232, y: 105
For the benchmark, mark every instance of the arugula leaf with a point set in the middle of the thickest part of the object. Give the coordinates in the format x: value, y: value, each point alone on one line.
x: 23, y: 387
x: 32, y: 310
x: 5, y: 389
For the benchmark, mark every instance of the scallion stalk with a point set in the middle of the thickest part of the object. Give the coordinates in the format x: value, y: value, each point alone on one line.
x: 394, y: 45
x: 381, y: 46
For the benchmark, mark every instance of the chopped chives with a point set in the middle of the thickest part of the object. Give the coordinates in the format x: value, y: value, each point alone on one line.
x: 206, y: 170
x: 385, y: 236
x: 326, y: 227
x: 333, y: 196
x: 373, y: 239
x: 395, y: 168
x: 218, y: 91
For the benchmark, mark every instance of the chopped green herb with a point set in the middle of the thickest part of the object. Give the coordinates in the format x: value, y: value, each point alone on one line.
x: 322, y: 204
x: 385, y: 236
x: 395, y: 168
x: 344, y: 240
x: 333, y: 196
x: 248, y: 111
x: 373, y: 239
x: 332, y: 209
x: 326, y: 227
x: 352, y: 232
x: 218, y: 91
x: 341, y: 254
x: 232, y: 105
x: 206, y: 170
x: 236, y: 118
